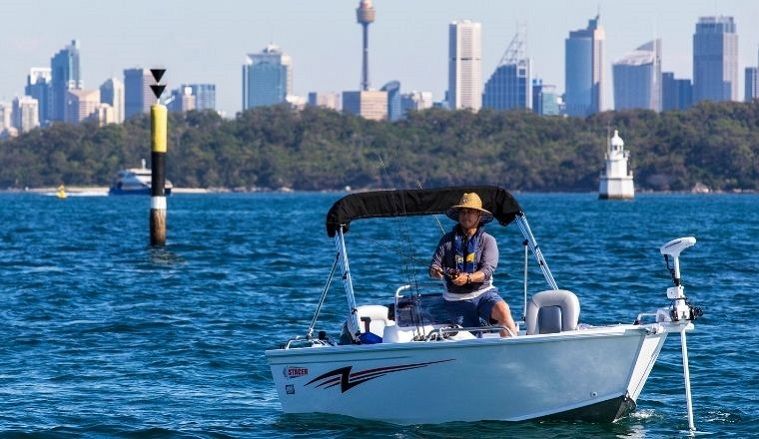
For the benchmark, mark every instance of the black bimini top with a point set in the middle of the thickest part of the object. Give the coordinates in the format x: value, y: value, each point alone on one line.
x: 410, y: 202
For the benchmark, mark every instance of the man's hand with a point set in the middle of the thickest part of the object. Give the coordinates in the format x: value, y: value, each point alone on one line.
x: 436, y: 272
x: 460, y: 279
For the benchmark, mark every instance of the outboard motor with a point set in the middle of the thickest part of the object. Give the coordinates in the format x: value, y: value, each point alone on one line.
x: 680, y: 309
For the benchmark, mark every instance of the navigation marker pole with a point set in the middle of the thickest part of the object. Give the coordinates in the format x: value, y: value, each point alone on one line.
x: 158, y: 135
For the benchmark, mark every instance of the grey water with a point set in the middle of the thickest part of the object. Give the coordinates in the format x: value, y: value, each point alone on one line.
x: 103, y: 336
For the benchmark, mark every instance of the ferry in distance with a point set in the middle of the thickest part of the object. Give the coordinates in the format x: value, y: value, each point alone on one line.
x: 135, y: 181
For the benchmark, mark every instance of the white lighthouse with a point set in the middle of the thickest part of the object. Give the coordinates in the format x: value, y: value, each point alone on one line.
x: 616, y: 181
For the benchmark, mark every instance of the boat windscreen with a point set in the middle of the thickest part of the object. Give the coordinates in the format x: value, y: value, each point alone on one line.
x: 410, y: 202
x: 423, y: 309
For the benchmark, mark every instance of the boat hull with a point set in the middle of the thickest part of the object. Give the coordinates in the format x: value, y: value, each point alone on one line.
x: 138, y: 191
x: 594, y: 374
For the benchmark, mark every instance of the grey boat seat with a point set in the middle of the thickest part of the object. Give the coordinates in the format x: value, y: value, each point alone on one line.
x: 552, y: 311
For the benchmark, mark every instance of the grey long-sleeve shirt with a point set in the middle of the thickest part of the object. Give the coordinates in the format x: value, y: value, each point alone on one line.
x: 486, y: 260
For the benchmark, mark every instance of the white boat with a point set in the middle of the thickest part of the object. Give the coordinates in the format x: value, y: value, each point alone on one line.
x: 135, y: 181
x: 404, y: 363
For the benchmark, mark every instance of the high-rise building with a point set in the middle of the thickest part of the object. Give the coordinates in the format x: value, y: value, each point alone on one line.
x: 296, y: 102
x: 38, y: 84
x: 182, y: 100
x: 138, y: 97
x: 637, y: 78
x: 752, y: 84
x: 80, y: 104
x: 112, y: 93
x: 365, y: 15
x: 416, y: 101
x: 393, y: 90
x: 465, y: 65
x: 545, y: 100
x: 583, y: 70
x: 367, y: 104
x: 677, y: 94
x: 267, y: 78
x: 326, y: 100
x: 205, y: 96
x: 715, y: 60
x: 6, y: 116
x: 25, y: 113
x: 65, y: 76
x: 510, y: 86
x: 103, y: 114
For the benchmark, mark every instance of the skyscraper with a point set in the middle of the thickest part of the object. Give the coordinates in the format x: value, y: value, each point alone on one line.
x: 25, y: 113
x: 637, y: 78
x: 80, y: 104
x: 465, y: 65
x: 715, y: 60
x: 367, y: 104
x: 416, y: 101
x: 112, y: 93
x: 752, y: 84
x: 330, y: 100
x: 677, y: 94
x: 267, y: 78
x: 6, y: 113
x: 66, y: 76
x: 583, y: 70
x: 182, y: 100
x: 38, y: 86
x: 393, y: 90
x: 103, y: 114
x: 205, y: 96
x: 510, y: 86
x: 545, y: 100
x: 365, y: 16
x: 137, y: 94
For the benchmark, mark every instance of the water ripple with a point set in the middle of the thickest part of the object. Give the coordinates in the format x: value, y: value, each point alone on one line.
x: 103, y: 336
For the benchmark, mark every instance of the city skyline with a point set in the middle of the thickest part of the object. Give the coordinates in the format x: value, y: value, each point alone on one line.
x: 208, y: 45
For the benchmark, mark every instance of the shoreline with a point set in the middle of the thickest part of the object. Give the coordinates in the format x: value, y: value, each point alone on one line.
x: 103, y: 191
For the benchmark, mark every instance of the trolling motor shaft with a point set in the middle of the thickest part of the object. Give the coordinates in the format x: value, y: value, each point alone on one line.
x: 681, y: 312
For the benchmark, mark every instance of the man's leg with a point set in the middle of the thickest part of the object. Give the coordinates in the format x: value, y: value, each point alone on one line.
x: 502, y: 314
x: 462, y: 312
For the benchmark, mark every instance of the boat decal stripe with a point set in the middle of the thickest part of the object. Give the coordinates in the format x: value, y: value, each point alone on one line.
x: 348, y: 380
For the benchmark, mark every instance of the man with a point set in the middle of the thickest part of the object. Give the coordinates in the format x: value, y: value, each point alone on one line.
x: 466, y: 258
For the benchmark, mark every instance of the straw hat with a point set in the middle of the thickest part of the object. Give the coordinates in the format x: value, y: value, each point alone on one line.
x: 470, y: 200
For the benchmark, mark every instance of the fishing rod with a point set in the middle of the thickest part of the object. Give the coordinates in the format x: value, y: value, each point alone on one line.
x: 439, y: 224
x: 418, y: 318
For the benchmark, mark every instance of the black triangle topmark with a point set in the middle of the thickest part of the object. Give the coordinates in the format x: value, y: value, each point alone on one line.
x: 157, y: 74
x: 157, y: 90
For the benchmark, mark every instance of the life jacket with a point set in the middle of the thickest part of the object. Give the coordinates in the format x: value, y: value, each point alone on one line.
x: 465, y: 249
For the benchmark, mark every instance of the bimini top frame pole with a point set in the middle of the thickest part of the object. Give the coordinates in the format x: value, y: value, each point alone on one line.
x: 524, y: 227
x: 347, y: 283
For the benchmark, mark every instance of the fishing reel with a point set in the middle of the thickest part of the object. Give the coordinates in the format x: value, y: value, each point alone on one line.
x: 681, y: 308
x: 451, y: 273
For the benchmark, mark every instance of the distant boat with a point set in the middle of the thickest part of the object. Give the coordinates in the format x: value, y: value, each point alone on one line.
x: 135, y: 181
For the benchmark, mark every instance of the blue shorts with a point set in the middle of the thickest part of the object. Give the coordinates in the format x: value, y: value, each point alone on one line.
x: 468, y: 312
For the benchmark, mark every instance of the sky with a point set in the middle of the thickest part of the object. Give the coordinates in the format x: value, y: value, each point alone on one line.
x: 206, y: 41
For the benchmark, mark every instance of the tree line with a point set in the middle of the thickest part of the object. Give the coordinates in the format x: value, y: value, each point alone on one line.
x: 716, y: 144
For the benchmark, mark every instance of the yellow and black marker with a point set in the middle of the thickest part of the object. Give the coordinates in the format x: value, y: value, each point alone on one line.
x: 158, y: 143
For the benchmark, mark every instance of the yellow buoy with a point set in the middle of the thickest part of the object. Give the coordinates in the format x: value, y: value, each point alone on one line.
x: 61, y: 194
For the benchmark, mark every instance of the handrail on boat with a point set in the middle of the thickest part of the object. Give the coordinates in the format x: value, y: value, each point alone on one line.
x: 439, y: 333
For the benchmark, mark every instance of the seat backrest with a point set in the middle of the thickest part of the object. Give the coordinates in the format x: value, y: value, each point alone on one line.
x: 552, y: 311
x: 378, y: 318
